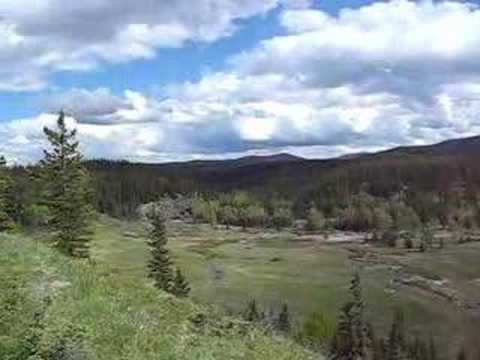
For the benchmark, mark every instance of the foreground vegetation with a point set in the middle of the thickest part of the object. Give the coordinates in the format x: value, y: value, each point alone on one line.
x: 229, y: 268
x: 52, y: 307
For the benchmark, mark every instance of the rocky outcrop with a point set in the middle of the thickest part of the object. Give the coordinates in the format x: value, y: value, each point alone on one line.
x: 178, y: 207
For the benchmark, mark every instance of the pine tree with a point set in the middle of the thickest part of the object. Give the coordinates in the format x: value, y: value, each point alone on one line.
x: 66, y: 191
x: 352, y: 338
x: 6, y: 222
x: 160, y: 264
x: 283, y: 320
x: 342, y: 345
x: 180, y: 287
x: 397, y: 339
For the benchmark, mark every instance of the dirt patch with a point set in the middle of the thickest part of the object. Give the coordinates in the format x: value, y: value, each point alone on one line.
x: 342, y: 237
x: 441, y: 288
x: 337, y: 237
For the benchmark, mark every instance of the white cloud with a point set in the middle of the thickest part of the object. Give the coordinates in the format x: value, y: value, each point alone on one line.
x: 383, y: 75
x: 45, y: 36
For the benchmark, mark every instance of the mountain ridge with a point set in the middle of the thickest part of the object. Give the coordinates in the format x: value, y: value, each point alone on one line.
x: 453, y: 146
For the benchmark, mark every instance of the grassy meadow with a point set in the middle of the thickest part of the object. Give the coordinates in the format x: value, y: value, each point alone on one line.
x: 56, y: 308
x: 229, y: 267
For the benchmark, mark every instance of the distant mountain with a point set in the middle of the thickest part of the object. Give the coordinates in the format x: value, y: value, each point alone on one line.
x: 288, y: 176
x: 464, y: 146
x: 353, y: 156
x: 268, y: 159
x: 256, y: 171
x: 239, y: 162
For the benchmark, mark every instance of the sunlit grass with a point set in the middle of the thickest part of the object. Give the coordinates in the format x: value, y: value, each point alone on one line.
x: 73, y: 308
x: 229, y: 267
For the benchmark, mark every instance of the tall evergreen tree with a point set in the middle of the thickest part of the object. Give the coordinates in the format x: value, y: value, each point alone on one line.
x: 160, y: 264
x: 352, y: 338
x: 396, y: 343
x: 6, y: 221
x: 180, y: 286
x: 343, y: 345
x: 66, y: 190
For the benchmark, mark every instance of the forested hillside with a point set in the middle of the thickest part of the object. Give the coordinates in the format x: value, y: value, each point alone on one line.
x: 436, y: 169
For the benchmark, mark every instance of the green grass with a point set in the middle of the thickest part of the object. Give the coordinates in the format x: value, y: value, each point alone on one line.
x: 52, y: 307
x: 229, y: 267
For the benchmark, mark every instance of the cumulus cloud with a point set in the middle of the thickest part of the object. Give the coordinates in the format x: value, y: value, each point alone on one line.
x: 41, y: 37
x: 381, y: 75
x: 385, y: 74
x: 102, y: 107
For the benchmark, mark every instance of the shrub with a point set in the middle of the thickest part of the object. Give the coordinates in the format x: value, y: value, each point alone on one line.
x: 315, y: 220
x: 35, y: 216
x: 409, y: 243
x: 427, y: 238
x: 19, y: 315
x: 364, y: 213
x: 381, y: 219
x: 255, y: 215
x: 317, y: 331
x: 404, y: 217
x: 63, y: 340
x: 282, y: 217
x: 227, y: 215
x: 389, y: 238
x: 200, y: 209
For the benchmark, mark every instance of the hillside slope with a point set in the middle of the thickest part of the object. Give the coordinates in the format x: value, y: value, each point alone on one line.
x: 53, y: 308
x: 123, y: 186
x: 465, y: 146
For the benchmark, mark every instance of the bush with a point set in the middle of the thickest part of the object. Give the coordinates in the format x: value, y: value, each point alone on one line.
x: 317, y: 331
x: 35, y: 216
x: 200, y: 210
x: 404, y: 217
x: 227, y: 215
x: 315, y: 220
x: 466, y: 217
x: 281, y: 218
x: 427, y: 238
x: 408, y: 243
x: 19, y: 315
x: 63, y: 340
x: 389, y: 238
x: 255, y: 215
x: 365, y: 213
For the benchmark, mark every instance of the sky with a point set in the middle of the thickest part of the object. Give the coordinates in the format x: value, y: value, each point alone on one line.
x: 173, y: 80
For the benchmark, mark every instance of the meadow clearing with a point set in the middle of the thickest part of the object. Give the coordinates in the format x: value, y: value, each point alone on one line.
x: 228, y: 267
